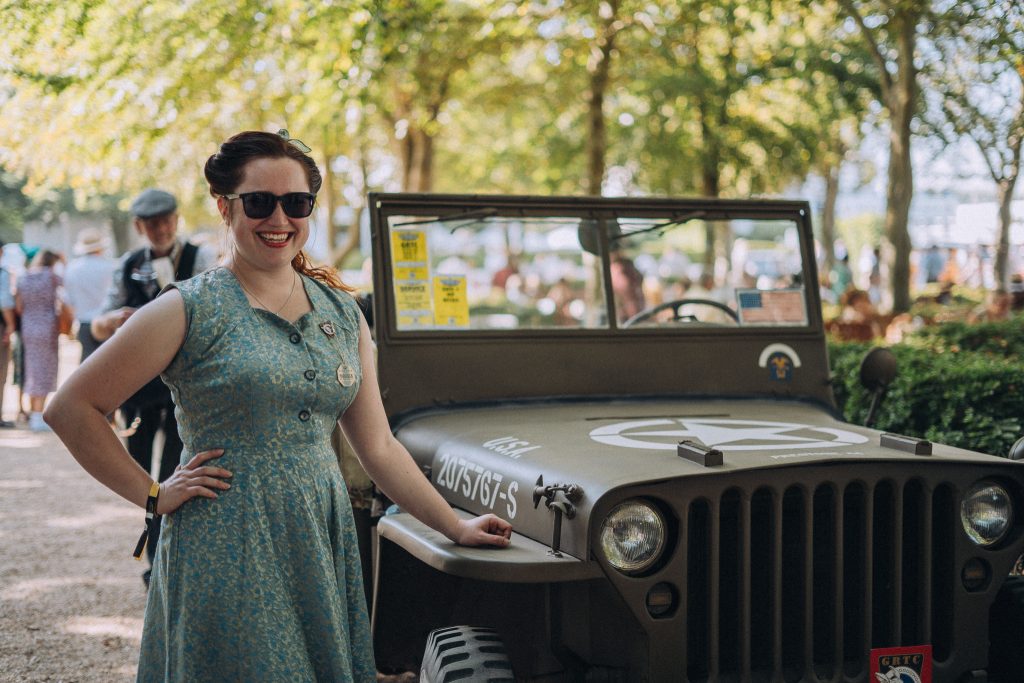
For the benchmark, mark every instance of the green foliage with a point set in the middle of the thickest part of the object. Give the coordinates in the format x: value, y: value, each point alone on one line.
x: 13, y: 204
x: 455, y: 96
x: 965, y: 398
x: 1004, y: 339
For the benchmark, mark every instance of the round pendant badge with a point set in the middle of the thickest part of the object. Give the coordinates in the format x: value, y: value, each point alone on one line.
x: 346, y: 375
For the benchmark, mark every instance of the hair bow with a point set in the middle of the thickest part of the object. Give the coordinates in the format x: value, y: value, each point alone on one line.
x: 297, y: 144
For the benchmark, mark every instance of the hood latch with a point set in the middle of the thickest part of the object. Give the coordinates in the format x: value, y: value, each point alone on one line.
x: 559, y: 498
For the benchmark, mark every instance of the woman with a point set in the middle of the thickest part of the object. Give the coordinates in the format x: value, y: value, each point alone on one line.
x: 257, y: 571
x: 36, y: 299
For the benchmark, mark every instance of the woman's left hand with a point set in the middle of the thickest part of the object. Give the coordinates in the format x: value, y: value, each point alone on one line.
x: 484, y: 530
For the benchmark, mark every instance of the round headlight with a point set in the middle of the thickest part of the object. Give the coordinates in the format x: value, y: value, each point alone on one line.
x: 986, y: 513
x: 633, y: 536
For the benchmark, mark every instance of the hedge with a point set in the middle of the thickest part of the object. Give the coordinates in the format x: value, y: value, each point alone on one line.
x: 957, y: 384
x: 1005, y: 339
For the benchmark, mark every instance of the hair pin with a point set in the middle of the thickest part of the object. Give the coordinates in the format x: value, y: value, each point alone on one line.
x: 297, y: 144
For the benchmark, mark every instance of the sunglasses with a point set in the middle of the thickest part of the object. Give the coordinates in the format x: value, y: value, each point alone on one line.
x: 262, y: 204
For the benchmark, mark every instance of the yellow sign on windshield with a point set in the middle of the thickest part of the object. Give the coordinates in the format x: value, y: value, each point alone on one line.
x: 451, y: 303
x: 412, y: 301
x: 409, y: 254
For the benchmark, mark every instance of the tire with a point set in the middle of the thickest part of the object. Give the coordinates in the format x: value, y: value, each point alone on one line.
x: 465, y: 653
x: 1006, y: 632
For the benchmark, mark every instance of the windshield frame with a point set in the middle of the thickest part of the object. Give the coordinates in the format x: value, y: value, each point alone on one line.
x: 428, y: 369
x: 457, y: 208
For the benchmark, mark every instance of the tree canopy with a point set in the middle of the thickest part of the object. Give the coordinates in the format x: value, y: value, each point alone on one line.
x: 724, y: 97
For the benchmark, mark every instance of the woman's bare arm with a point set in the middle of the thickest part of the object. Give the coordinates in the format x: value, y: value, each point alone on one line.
x: 139, y: 351
x: 392, y: 468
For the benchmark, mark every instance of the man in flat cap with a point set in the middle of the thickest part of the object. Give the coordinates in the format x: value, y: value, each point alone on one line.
x: 141, y: 275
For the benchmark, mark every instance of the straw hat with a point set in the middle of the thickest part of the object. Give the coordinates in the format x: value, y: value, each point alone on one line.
x: 90, y: 240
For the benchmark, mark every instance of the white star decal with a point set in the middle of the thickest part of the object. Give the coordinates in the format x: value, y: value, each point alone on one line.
x: 724, y: 434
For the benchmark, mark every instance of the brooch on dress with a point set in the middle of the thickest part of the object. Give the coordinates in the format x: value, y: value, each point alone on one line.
x: 346, y: 374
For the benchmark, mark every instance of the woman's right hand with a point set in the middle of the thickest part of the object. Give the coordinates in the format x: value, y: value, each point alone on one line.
x: 192, y: 479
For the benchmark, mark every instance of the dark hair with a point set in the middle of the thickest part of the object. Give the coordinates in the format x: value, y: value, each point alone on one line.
x: 45, y: 258
x: 225, y: 169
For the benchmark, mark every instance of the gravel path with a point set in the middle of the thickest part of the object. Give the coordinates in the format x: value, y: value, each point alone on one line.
x: 71, y: 596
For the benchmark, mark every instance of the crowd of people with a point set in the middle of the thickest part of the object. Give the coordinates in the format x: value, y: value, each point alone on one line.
x: 940, y: 275
x: 37, y: 306
x: 86, y: 297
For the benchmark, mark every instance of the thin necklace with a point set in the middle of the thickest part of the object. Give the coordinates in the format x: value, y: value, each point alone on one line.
x: 295, y: 279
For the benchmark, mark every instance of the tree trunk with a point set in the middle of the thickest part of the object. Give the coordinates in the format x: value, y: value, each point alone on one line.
x: 417, y: 160
x: 902, y: 99
x: 710, y: 183
x: 425, y: 159
x: 329, y: 203
x: 339, y: 255
x: 897, y: 211
x: 408, y: 151
x: 899, y: 94
x: 828, y: 217
x: 597, y: 133
x: 1005, y: 196
x: 597, y: 141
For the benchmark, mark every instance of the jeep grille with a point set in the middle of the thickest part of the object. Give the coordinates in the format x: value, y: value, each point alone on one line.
x: 855, y: 565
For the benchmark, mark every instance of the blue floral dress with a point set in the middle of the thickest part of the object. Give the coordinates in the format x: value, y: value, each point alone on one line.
x: 264, y: 582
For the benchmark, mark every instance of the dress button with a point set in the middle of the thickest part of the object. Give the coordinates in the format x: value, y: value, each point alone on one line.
x: 295, y: 338
x: 310, y: 375
x: 304, y: 415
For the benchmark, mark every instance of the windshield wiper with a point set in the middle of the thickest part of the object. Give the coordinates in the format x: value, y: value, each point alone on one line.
x: 468, y: 216
x: 679, y: 220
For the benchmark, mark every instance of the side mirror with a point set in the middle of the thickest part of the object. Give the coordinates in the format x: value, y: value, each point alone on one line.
x: 877, y: 371
x: 588, y: 236
x: 1017, y: 450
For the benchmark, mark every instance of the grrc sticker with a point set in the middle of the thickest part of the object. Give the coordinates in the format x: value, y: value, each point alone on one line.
x: 477, y: 484
x: 902, y: 664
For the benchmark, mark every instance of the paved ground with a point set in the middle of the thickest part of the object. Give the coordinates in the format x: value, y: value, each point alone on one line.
x: 71, y: 596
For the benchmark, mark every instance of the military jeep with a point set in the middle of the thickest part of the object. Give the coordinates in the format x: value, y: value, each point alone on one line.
x: 642, y: 387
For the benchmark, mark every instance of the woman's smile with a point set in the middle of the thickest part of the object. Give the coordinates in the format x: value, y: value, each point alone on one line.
x: 275, y: 240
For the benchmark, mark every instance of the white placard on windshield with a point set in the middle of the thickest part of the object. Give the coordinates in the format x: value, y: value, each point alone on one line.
x: 772, y: 306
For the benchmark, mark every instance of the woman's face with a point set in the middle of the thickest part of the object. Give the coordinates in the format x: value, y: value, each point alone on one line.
x: 267, y: 243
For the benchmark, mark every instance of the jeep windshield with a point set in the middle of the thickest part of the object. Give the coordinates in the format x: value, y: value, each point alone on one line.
x: 510, y: 298
x: 483, y: 267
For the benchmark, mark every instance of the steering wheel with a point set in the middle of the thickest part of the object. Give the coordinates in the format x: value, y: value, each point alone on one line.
x: 675, y: 307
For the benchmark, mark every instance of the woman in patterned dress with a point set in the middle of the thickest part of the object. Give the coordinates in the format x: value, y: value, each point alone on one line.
x: 35, y: 300
x: 257, y: 574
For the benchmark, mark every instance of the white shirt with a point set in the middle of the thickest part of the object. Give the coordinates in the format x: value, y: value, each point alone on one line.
x: 117, y: 296
x: 86, y: 282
